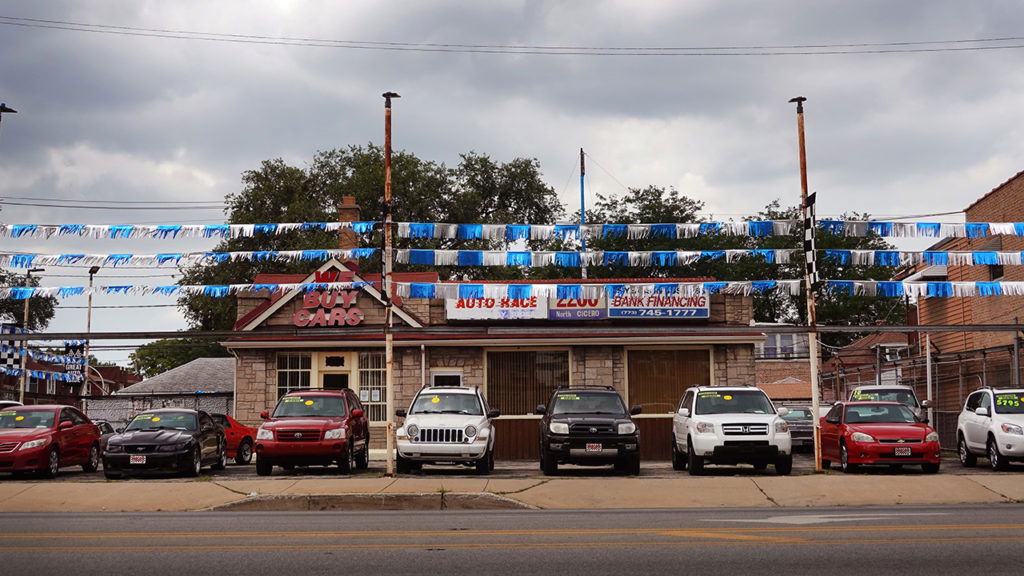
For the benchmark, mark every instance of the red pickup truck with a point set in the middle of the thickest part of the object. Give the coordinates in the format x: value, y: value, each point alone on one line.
x: 314, y: 427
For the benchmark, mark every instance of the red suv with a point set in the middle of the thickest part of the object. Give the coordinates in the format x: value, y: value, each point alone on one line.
x: 43, y: 438
x: 315, y: 427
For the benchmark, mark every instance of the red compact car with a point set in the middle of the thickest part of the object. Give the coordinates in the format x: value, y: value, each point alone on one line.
x: 43, y: 438
x: 240, y: 438
x: 882, y: 433
x: 315, y: 427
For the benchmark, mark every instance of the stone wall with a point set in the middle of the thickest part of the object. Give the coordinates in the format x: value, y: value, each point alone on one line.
x: 734, y: 365
x: 598, y: 366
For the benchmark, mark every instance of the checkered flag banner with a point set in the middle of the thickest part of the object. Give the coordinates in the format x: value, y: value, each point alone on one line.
x: 809, y: 226
x: 9, y: 354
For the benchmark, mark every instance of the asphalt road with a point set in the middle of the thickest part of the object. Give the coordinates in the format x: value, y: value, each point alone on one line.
x: 838, y: 541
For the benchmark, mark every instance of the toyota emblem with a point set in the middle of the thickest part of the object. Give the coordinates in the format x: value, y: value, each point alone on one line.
x: 298, y: 434
x: 593, y: 430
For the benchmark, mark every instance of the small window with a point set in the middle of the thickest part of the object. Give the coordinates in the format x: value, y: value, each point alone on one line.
x: 446, y: 378
x: 334, y: 361
x: 996, y: 272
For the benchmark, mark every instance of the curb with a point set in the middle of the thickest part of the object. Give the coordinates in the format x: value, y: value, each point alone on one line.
x: 350, y: 502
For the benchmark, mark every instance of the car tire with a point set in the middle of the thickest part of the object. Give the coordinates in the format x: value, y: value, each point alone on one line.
x: 995, y: 457
x: 52, y: 464
x: 112, y: 474
x: 363, y: 459
x: 844, y: 460
x: 483, y: 465
x: 403, y: 465
x: 93, y: 463
x: 222, y: 457
x: 930, y: 468
x: 693, y: 462
x: 346, y: 464
x: 784, y: 465
x: 244, y: 453
x: 196, y: 464
x: 264, y: 467
x: 678, y: 460
x: 826, y: 464
x: 633, y: 465
x: 967, y: 458
x: 548, y: 464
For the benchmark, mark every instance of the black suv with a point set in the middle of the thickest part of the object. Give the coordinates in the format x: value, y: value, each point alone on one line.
x: 588, y: 426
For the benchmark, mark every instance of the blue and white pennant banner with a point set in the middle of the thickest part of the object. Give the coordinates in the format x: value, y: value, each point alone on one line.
x: 41, y: 356
x: 576, y: 259
x: 43, y: 375
x: 172, y: 231
x: 174, y: 259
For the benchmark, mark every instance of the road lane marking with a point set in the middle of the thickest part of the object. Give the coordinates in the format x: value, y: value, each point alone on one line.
x: 825, y: 518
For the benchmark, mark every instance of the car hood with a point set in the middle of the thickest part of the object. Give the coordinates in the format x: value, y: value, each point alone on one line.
x: 738, y: 417
x: 1012, y: 418
x: 322, y: 423
x: 589, y: 419
x: 446, y: 420
x: 150, y: 437
x: 892, y: 431
x: 22, y: 434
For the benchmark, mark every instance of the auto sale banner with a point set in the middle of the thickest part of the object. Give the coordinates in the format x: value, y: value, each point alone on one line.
x: 659, y: 306
x: 532, y: 308
x: 649, y: 306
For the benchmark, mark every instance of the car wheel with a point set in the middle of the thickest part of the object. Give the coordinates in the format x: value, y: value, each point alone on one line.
x: 678, y: 460
x: 491, y: 460
x: 222, y: 457
x: 112, y: 474
x: 548, y: 464
x: 264, y: 467
x: 52, y: 465
x: 402, y: 465
x: 826, y: 464
x: 94, y: 459
x: 363, y: 459
x: 784, y: 465
x: 693, y: 462
x: 930, y: 468
x: 967, y: 459
x: 995, y: 458
x: 483, y: 465
x: 197, y: 463
x: 633, y: 466
x: 346, y: 464
x: 844, y: 460
x: 244, y: 453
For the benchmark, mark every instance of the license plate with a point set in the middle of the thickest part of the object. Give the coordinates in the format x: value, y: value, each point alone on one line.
x: 136, y: 459
x: 594, y: 447
x: 903, y: 450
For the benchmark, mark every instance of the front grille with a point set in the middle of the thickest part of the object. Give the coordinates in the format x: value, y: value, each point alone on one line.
x: 745, y: 429
x: 8, y: 446
x: 584, y: 429
x: 440, y: 436
x: 140, y: 448
x: 302, y: 435
x: 900, y: 440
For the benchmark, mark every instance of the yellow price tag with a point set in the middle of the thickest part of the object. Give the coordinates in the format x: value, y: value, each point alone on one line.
x: 435, y: 400
x: 156, y: 419
x: 20, y: 418
x: 727, y: 397
x: 309, y: 402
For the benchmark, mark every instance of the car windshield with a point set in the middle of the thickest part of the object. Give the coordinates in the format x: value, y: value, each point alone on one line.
x: 879, y: 414
x: 311, y: 405
x: 905, y: 397
x: 1010, y: 403
x: 163, y: 421
x: 447, y: 403
x: 733, y: 402
x: 798, y: 414
x: 23, y: 418
x: 587, y: 403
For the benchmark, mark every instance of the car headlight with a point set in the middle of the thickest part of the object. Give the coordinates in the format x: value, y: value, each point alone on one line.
x: 264, y: 434
x: 471, y: 430
x: 173, y: 447
x: 114, y: 448
x: 781, y: 427
x: 861, y: 437
x: 627, y: 428
x: 704, y: 427
x: 1012, y: 429
x: 335, y: 434
x: 932, y: 437
x: 34, y: 444
x: 559, y: 428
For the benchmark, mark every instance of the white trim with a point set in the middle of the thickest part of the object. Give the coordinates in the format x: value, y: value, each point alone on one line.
x: 507, y: 343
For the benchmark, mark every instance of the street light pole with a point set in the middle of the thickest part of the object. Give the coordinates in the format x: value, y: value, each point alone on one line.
x: 389, y: 352
x: 88, y: 336
x: 24, y: 343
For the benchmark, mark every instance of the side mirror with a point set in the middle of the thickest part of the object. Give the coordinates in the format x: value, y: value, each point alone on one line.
x: 782, y: 411
x: 982, y: 411
x: 357, y: 413
x: 540, y: 409
x: 265, y: 415
x: 684, y: 412
x: 635, y: 410
x: 65, y: 425
x: 400, y: 413
x: 926, y: 404
x: 493, y: 414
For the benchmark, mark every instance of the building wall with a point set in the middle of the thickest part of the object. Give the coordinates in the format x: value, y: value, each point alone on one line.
x: 734, y: 365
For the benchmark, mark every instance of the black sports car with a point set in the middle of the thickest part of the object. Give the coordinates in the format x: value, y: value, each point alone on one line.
x: 166, y: 439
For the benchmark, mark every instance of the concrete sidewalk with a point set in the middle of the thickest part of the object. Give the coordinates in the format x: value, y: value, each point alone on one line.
x: 338, y: 493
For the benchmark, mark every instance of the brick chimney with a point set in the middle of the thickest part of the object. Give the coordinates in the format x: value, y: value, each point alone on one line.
x: 348, y: 211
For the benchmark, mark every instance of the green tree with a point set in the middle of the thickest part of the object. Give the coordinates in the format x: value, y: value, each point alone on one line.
x: 40, y: 308
x: 162, y: 355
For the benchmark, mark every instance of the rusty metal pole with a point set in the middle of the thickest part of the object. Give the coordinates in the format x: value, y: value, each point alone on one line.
x: 812, y: 320
x: 583, y: 217
x: 389, y: 352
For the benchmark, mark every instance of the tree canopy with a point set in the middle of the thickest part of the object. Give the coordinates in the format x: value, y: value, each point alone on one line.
x: 40, y: 308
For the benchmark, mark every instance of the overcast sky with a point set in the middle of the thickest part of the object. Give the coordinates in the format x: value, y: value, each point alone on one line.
x: 142, y: 115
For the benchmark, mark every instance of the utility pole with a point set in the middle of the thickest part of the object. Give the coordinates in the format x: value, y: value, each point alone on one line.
x: 583, y: 217
x: 806, y: 204
x: 389, y: 352
x: 24, y: 343
x: 86, y: 389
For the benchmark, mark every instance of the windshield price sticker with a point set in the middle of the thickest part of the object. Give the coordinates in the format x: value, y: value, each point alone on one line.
x: 710, y: 395
x: 293, y: 399
x: 435, y: 400
x: 144, y: 417
x: 8, y: 413
x: 862, y: 395
x: 20, y: 418
x: 1009, y: 400
x: 309, y: 402
x: 568, y: 397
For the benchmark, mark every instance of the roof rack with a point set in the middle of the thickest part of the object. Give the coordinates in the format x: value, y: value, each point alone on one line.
x: 587, y: 387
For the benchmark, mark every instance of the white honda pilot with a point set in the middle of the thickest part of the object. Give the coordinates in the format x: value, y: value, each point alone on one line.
x: 446, y: 425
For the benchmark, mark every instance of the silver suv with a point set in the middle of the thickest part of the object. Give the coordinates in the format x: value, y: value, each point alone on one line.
x: 446, y: 425
x: 992, y: 425
x: 892, y: 393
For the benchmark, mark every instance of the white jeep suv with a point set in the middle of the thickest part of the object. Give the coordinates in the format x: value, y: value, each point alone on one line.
x: 991, y: 424
x: 730, y: 425
x: 446, y: 425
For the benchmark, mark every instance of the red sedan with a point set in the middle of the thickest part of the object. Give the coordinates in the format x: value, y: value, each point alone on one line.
x: 44, y: 438
x: 882, y: 433
x: 239, y: 436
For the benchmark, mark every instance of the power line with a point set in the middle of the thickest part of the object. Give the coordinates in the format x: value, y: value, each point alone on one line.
x: 953, y: 45
x: 42, y: 199
x: 39, y: 205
